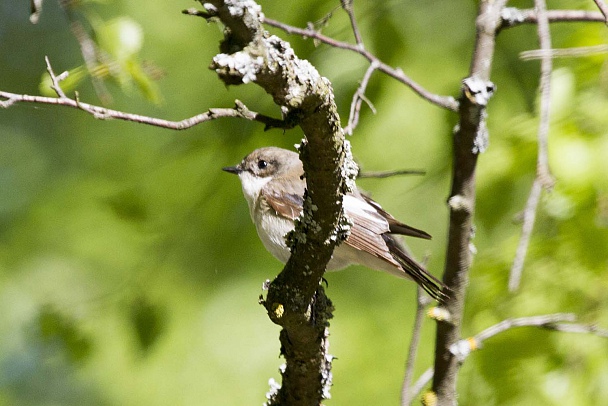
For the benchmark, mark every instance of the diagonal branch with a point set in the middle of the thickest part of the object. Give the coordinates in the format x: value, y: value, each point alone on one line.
x: 446, y: 102
x: 347, y: 5
x: 603, y: 8
x: 358, y: 97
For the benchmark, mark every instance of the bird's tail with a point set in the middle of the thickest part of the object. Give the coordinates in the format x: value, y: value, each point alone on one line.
x: 433, y: 286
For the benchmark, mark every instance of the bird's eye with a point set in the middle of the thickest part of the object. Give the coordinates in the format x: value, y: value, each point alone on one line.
x: 262, y: 164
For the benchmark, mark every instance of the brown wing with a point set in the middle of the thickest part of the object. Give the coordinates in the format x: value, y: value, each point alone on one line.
x: 367, y: 230
x: 286, y: 202
x: 395, y: 226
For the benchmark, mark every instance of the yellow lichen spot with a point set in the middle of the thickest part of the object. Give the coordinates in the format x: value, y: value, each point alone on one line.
x: 473, y: 345
x: 278, y: 310
x: 429, y: 398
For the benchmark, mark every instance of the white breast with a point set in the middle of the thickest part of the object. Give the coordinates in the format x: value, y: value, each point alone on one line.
x: 271, y: 227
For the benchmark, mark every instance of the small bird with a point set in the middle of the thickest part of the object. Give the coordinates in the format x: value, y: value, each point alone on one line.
x: 273, y: 183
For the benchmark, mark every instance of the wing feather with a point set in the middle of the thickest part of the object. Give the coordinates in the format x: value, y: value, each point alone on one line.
x: 287, y: 202
x: 395, y: 226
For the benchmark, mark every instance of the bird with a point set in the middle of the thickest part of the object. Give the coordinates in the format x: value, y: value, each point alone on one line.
x: 273, y: 183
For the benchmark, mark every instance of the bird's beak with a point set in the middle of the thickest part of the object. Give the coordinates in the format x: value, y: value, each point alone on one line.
x: 233, y: 169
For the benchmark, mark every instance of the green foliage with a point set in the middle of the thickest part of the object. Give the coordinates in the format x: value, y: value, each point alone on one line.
x: 129, y: 267
x: 55, y: 327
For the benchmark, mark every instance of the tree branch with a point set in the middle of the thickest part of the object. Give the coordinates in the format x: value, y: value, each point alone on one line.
x: 558, y: 322
x: 295, y: 299
x: 347, y: 5
x: 358, y: 97
x: 575, y: 52
x: 470, y: 139
x: 446, y: 102
x: 543, y: 174
x: 513, y: 17
x: 407, y: 392
x: 102, y: 113
x: 603, y: 8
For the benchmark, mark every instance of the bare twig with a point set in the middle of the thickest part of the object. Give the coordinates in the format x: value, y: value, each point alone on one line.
x: 544, y: 321
x: 55, y: 79
x: 603, y: 8
x: 102, y: 113
x: 388, y: 174
x: 576, y: 52
x: 424, y: 380
x: 513, y: 17
x: 407, y: 393
x: 358, y: 97
x: 543, y: 173
x: 529, y: 217
x: 347, y: 5
x: 563, y: 322
x: 579, y: 328
x: 447, y: 102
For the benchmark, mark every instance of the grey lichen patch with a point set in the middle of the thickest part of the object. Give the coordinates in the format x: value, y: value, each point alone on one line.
x: 301, y: 78
x: 482, y: 137
x: 238, y: 8
x: 326, y: 375
x: 272, y: 392
x: 349, y: 169
x: 239, y: 65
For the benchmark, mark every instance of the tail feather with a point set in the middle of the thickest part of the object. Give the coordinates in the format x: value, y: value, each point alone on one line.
x: 433, y: 286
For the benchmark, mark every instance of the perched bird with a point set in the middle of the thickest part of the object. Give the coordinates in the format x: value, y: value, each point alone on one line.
x: 273, y: 184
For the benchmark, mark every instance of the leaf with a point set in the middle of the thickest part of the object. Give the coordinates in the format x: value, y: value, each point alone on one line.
x: 58, y: 327
x: 69, y: 84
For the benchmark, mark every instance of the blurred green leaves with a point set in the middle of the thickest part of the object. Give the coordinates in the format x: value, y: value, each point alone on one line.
x: 129, y: 267
x: 58, y: 328
x: 113, y: 49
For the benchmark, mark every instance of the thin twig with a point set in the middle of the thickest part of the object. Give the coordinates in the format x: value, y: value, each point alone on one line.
x: 358, y: 97
x: 603, y: 8
x: 347, y: 5
x: 514, y: 17
x: 544, y: 35
x: 55, y: 79
x: 576, y: 52
x: 543, y: 174
x: 388, y: 174
x: 543, y: 321
x: 424, y: 380
x: 422, y: 301
x: 103, y: 113
x: 447, y: 102
x: 529, y: 217
x: 579, y: 328
x: 563, y: 322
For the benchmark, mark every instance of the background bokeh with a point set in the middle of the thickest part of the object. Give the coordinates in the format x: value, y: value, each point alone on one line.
x: 130, y: 270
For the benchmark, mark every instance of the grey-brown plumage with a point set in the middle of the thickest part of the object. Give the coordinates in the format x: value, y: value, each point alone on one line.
x: 273, y: 184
